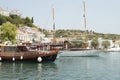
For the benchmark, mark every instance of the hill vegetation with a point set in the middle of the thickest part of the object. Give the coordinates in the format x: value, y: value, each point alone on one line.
x: 17, y: 20
x: 70, y: 34
x: 9, y: 25
x: 80, y: 35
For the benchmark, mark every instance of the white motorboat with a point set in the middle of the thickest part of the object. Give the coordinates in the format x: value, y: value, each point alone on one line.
x: 114, y: 49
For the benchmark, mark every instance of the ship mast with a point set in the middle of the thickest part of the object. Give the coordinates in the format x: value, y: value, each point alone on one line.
x: 84, y: 16
x: 53, y: 24
x: 53, y: 19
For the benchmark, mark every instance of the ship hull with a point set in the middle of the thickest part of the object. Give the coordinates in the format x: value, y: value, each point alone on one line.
x: 35, y: 55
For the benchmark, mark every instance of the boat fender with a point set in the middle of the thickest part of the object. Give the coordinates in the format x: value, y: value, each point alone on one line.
x: 21, y: 57
x: 39, y: 59
x: 0, y: 59
x: 13, y: 59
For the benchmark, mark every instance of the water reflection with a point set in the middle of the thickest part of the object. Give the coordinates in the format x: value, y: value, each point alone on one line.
x: 49, y: 71
x: 105, y: 67
x: 79, y: 68
x: 39, y: 68
x: 25, y: 71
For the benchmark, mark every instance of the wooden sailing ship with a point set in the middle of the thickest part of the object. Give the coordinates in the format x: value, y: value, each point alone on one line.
x: 81, y: 52
x: 24, y: 53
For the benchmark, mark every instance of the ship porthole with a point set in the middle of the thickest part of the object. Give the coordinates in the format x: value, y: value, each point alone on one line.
x: 39, y: 59
x: 0, y: 59
x: 21, y: 57
x: 13, y: 59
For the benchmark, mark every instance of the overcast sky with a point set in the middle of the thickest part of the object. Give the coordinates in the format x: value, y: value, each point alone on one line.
x: 102, y: 15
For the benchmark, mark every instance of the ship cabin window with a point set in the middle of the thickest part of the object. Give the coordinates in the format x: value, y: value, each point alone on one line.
x: 9, y: 49
x: 22, y: 48
x: 15, y: 49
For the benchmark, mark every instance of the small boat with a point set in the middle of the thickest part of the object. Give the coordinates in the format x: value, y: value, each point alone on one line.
x: 23, y: 53
x: 80, y: 53
x: 114, y: 49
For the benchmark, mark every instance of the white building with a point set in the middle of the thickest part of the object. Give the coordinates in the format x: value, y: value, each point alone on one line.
x: 15, y: 12
x: 7, y: 12
x: 100, y: 40
x: 27, y: 34
x: 4, y: 12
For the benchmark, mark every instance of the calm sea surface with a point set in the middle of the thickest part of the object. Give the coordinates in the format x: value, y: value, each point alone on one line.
x: 104, y: 67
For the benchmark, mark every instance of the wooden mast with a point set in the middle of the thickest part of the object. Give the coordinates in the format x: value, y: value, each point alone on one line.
x: 53, y: 19
x: 53, y: 25
x: 84, y: 15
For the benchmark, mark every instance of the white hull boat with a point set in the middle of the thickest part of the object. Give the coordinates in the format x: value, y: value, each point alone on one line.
x: 115, y: 49
x: 85, y: 53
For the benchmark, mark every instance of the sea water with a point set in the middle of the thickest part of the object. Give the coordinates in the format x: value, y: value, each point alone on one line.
x: 104, y: 67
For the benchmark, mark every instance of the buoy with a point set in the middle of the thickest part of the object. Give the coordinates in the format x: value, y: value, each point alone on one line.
x: 0, y: 59
x: 13, y: 59
x: 21, y: 57
x: 39, y: 59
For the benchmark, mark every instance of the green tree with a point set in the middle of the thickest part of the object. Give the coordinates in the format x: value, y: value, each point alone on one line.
x: 15, y: 19
x: 8, y: 32
x: 2, y: 19
x: 105, y: 44
x: 95, y: 43
x: 28, y: 22
x: 32, y: 20
x: 77, y: 44
x: 74, y: 44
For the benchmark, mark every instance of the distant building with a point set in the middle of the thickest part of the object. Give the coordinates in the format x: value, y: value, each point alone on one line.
x: 27, y: 34
x: 15, y: 12
x: 4, y: 12
x: 100, y: 40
